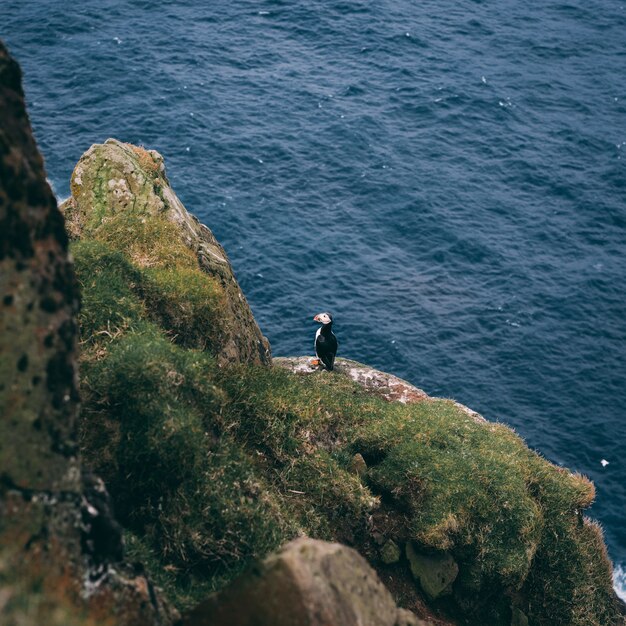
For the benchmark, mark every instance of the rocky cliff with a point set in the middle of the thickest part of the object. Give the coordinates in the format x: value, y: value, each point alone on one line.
x: 214, y: 459
x: 58, y: 540
x: 212, y: 465
x: 121, y: 196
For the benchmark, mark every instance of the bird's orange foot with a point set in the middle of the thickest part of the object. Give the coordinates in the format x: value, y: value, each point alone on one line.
x: 315, y: 362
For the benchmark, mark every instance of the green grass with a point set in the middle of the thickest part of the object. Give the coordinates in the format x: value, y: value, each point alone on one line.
x: 187, y: 302
x: 147, y: 240
x: 212, y: 467
x: 463, y: 483
x: 179, y: 482
x: 133, y: 281
x: 108, y: 282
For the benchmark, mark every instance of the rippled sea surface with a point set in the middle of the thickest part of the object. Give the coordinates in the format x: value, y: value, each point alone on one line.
x: 448, y: 178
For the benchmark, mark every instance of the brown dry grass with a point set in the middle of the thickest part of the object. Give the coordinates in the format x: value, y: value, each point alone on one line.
x: 146, y: 161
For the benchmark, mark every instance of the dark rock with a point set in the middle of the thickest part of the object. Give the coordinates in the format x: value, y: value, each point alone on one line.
x: 34, y: 273
x: 102, y: 535
x: 58, y: 537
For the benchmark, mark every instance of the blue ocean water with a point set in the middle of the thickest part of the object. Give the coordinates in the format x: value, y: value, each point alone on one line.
x: 448, y: 178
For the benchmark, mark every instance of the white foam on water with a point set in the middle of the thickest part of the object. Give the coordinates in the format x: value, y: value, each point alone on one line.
x: 619, y: 581
x: 54, y: 192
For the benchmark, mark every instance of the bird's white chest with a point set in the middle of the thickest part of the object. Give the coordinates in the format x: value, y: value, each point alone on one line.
x: 317, y: 334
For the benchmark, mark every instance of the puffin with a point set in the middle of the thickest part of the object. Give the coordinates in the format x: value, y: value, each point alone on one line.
x: 325, y: 341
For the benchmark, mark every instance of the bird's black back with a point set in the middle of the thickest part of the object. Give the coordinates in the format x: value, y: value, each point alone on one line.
x: 326, y: 348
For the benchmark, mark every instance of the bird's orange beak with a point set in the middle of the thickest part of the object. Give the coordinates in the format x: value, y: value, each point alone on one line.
x: 315, y: 319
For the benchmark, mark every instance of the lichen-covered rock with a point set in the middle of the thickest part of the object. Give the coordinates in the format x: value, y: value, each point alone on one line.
x: 386, y: 385
x: 434, y: 572
x: 57, y: 536
x: 38, y: 302
x: 390, y: 552
x: 53, y: 569
x: 307, y: 583
x: 116, y: 179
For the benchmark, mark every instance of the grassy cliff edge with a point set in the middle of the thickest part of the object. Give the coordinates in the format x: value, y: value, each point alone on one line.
x: 214, y: 458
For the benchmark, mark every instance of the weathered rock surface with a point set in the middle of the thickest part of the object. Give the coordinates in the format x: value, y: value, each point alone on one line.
x: 38, y: 302
x: 58, y: 540
x: 307, y: 583
x: 390, y: 552
x: 386, y: 385
x: 358, y: 465
x: 116, y: 177
x: 434, y: 572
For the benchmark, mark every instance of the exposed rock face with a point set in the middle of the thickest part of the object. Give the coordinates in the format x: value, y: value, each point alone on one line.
x: 57, y: 536
x: 115, y: 177
x: 307, y: 583
x: 38, y: 302
x: 386, y: 385
x: 434, y: 572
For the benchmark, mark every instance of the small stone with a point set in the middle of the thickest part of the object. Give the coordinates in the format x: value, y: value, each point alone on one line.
x: 434, y: 572
x: 390, y: 552
x: 358, y: 465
